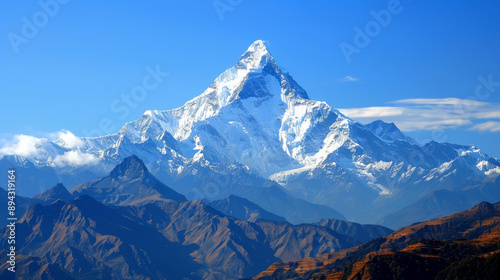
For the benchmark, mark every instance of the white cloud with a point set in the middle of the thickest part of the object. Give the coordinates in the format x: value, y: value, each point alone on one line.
x: 23, y: 145
x: 370, y: 112
x: 349, y: 79
x: 442, y: 101
x: 491, y: 114
x: 428, y: 113
x: 491, y: 126
x: 67, y: 139
x: 75, y: 158
x: 28, y: 146
x: 409, y: 125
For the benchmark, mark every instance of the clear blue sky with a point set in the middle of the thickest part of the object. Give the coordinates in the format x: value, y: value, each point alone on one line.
x: 89, y: 53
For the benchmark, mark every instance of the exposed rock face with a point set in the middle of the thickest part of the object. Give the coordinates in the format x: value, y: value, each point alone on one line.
x: 444, y: 246
x: 146, y: 230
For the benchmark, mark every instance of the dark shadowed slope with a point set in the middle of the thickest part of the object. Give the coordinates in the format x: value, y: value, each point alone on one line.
x: 435, y: 205
x: 59, y: 191
x: 363, y: 233
x: 233, y: 248
x: 88, y: 240
x: 438, y: 247
x: 128, y: 183
x: 244, y: 209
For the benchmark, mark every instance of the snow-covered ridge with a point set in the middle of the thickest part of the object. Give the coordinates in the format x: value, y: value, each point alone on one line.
x: 256, y: 117
x: 253, y: 114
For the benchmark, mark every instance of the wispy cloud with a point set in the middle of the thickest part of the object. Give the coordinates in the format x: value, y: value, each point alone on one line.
x: 430, y: 113
x: 441, y: 101
x: 491, y: 126
x: 373, y: 112
x: 349, y: 79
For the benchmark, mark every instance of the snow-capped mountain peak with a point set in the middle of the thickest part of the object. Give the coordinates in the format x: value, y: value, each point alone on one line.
x: 255, y: 118
x: 389, y: 132
x: 256, y: 57
x: 256, y: 81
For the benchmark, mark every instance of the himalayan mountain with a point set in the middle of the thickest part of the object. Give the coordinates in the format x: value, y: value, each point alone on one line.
x: 465, y: 245
x: 255, y: 133
x: 129, y: 225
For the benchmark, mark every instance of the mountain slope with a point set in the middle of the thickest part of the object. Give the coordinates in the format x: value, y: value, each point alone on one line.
x: 295, y: 210
x: 254, y: 122
x: 128, y: 183
x: 164, y: 239
x: 243, y: 209
x: 84, y: 239
x: 33, y: 180
x: 362, y: 233
x: 87, y: 240
x: 230, y: 248
x: 435, y: 205
x: 389, y: 132
x: 59, y: 191
x: 420, y: 251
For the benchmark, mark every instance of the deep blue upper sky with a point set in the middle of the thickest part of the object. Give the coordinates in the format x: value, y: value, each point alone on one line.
x: 88, y: 54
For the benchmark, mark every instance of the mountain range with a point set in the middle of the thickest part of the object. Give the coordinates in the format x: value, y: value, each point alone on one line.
x: 255, y: 133
x: 465, y: 245
x: 158, y: 234
x: 93, y: 232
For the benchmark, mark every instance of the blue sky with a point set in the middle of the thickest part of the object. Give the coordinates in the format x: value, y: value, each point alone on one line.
x: 81, y: 57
